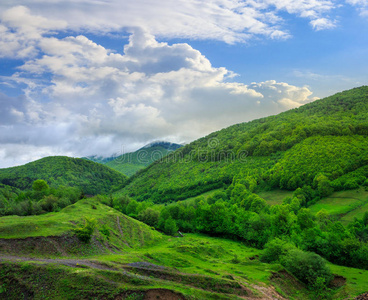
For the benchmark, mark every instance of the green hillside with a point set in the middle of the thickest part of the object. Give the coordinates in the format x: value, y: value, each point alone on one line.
x: 55, y: 233
x: 92, y: 178
x: 327, y: 137
x: 131, y: 163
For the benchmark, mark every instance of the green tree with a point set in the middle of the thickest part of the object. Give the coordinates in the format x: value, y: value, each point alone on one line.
x: 40, y: 185
x: 323, y: 185
x: 170, y: 226
x: 149, y: 216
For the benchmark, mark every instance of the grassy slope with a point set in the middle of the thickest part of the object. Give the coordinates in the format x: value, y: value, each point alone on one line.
x: 92, y: 177
x: 328, y: 135
x: 61, y: 224
x: 344, y: 204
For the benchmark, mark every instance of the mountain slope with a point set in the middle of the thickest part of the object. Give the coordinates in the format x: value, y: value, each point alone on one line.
x: 270, y: 150
x: 130, y: 163
x: 92, y: 178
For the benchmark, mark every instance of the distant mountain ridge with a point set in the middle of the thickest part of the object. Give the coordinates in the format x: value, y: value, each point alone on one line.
x: 163, y: 144
x: 101, y: 159
x: 130, y: 163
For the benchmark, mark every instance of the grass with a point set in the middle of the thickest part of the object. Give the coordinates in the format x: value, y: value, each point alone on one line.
x: 192, y: 199
x: 275, y: 197
x: 357, y: 213
x: 344, y: 204
x: 356, y: 281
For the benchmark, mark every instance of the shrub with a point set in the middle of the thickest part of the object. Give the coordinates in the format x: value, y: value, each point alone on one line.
x: 275, y: 249
x: 308, y: 267
x: 105, y: 230
x: 85, y: 233
x: 49, y: 203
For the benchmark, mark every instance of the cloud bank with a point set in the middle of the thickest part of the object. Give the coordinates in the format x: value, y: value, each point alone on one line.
x: 230, y: 21
x: 81, y: 98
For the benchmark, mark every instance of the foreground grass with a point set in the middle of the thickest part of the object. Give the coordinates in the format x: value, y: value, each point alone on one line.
x: 195, y: 266
x: 134, y: 259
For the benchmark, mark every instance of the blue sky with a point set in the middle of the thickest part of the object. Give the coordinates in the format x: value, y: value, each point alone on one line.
x: 106, y: 76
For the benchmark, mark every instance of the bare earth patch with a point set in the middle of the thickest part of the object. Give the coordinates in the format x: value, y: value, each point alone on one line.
x: 162, y: 294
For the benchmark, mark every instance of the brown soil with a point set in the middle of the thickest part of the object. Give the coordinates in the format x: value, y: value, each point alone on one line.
x: 362, y: 297
x: 162, y: 294
x: 337, y: 281
x: 267, y: 293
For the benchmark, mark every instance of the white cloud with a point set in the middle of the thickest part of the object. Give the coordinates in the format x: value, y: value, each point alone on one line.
x: 230, y: 21
x: 322, y: 24
x: 20, y: 31
x: 81, y: 98
x: 361, y: 5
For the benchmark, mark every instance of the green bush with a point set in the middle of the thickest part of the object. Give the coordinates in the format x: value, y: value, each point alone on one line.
x: 105, y: 230
x: 85, y: 233
x: 308, y: 267
x: 275, y: 249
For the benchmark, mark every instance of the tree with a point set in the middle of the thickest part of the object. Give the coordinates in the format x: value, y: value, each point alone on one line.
x: 323, y: 185
x: 40, y: 185
x: 149, y: 216
x: 170, y: 226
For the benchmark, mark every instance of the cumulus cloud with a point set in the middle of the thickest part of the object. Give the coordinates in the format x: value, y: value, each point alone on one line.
x: 230, y: 21
x: 81, y: 98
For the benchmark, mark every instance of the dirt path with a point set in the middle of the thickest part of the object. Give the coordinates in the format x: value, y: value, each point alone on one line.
x: 75, y: 263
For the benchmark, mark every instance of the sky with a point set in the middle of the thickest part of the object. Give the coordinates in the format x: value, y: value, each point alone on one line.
x: 103, y: 77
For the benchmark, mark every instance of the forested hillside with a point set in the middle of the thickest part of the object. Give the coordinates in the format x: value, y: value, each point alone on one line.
x: 324, y: 142
x: 90, y: 177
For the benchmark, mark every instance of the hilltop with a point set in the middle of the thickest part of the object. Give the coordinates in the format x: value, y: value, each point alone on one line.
x: 92, y: 178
